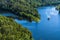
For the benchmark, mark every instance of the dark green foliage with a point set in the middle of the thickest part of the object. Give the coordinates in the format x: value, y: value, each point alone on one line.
x: 10, y: 30
x: 21, y: 8
x: 51, y: 2
x: 58, y: 7
x: 24, y: 8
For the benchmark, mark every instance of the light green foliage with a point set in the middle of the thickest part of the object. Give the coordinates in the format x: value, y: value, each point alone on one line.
x: 10, y: 30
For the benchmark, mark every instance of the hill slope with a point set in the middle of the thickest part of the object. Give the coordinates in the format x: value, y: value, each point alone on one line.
x: 10, y: 30
x: 22, y: 8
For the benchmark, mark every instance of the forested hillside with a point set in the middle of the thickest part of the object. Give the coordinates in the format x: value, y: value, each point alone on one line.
x: 25, y: 9
x: 22, y: 8
x: 49, y: 2
x: 10, y: 30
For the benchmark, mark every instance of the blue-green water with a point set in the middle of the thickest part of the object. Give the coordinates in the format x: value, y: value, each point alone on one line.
x: 45, y: 29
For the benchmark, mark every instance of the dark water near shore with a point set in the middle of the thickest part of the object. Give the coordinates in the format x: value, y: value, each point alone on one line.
x: 45, y: 29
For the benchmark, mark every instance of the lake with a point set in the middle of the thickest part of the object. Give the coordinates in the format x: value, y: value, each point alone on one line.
x: 45, y: 29
x: 49, y: 26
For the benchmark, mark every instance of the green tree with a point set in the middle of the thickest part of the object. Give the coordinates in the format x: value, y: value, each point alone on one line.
x: 10, y: 30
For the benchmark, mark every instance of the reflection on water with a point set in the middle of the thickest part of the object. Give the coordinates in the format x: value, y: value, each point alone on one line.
x: 44, y: 30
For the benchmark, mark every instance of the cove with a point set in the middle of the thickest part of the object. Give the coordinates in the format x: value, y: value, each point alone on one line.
x: 45, y: 29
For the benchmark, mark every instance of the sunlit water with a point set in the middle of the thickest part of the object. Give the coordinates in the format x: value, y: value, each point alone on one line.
x: 45, y: 29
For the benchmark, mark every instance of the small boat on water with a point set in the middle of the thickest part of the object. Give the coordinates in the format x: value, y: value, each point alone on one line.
x: 48, y: 17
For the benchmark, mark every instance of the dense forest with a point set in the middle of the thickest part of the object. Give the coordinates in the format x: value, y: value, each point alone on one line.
x: 10, y: 30
x: 50, y: 2
x: 24, y: 10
